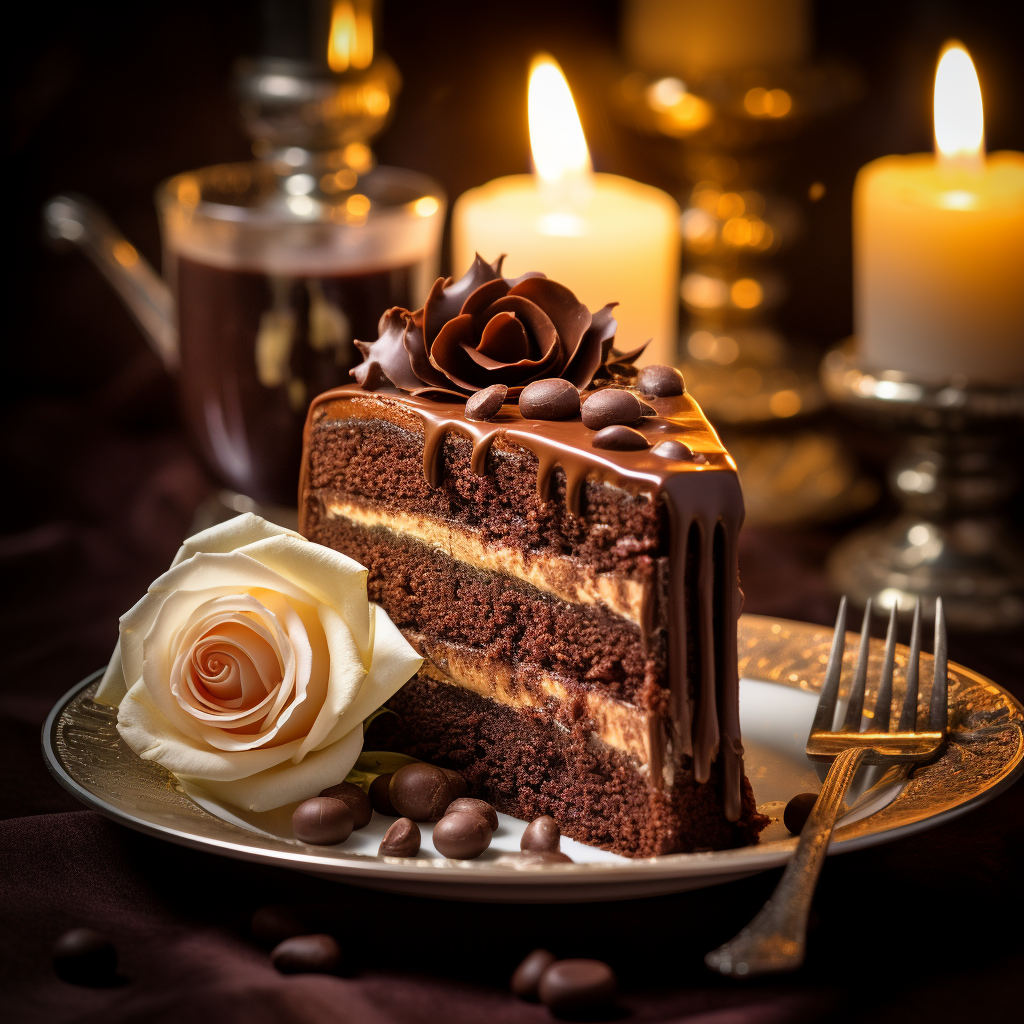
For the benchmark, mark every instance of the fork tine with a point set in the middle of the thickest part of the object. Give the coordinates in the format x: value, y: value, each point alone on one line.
x: 883, y: 700
x: 908, y: 717
x: 855, y: 707
x: 826, y: 710
x: 938, y: 711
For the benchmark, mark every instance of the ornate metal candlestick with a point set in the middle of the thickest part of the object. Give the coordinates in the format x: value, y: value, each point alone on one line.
x: 953, y: 477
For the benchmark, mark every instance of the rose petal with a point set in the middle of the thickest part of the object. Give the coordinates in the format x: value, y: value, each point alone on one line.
x: 229, y: 536
x: 504, y: 338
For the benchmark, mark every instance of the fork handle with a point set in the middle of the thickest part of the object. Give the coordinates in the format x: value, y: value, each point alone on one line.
x: 776, y: 940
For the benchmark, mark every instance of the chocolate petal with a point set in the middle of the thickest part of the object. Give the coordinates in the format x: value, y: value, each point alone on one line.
x: 540, y: 329
x: 388, y: 353
x: 452, y: 353
x: 629, y: 357
x: 483, y: 296
x: 593, y: 347
x: 447, y: 295
x: 439, y: 394
x: 513, y: 281
x: 569, y: 316
x: 418, y: 357
x: 504, y: 337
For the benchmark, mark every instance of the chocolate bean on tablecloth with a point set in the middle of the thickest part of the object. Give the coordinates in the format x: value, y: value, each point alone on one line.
x: 531, y: 857
x: 527, y: 975
x: 605, y: 408
x: 401, y: 840
x: 541, y: 834
x: 551, y: 399
x: 84, y: 956
x: 358, y: 802
x: 462, y: 835
x: 484, y: 405
x: 620, y: 439
x: 660, y: 381
x: 456, y: 783
x: 307, y: 954
x: 481, y: 807
x: 275, y: 923
x: 323, y: 821
x: 380, y: 796
x: 797, y: 811
x: 420, y: 791
x: 570, y: 987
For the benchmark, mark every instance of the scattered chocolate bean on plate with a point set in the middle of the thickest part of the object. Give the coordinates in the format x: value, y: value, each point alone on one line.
x: 570, y: 987
x: 358, y: 802
x: 456, y: 783
x: 420, y: 791
x: 660, y: 381
x: 481, y: 807
x: 380, y: 797
x: 531, y: 858
x: 84, y: 956
x: 462, y: 835
x: 551, y: 399
x: 620, y: 439
x: 542, y: 834
x: 322, y: 821
x: 605, y: 408
x: 401, y: 840
x: 527, y: 975
x: 797, y: 811
x: 275, y: 923
x: 484, y: 405
x: 307, y: 954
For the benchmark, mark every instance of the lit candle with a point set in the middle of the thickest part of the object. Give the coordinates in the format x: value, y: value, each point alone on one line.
x: 695, y: 37
x: 607, y: 238
x: 939, y: 248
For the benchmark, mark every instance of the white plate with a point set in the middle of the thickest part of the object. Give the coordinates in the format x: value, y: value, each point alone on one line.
x: 782, y: 663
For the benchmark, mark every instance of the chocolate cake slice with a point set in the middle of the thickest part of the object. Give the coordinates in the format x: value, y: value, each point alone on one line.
x: 571, y: 581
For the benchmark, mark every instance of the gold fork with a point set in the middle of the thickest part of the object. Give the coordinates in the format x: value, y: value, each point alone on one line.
x: 776, y: 940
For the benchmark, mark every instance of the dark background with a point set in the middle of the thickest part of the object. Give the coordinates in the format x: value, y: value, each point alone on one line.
x: 108, y: 99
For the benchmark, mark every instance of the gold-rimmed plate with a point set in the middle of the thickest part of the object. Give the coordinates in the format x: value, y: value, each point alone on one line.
x: 781, y: 663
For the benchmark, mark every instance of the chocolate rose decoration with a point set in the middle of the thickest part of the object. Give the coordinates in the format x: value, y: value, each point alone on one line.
x: 485, y: 329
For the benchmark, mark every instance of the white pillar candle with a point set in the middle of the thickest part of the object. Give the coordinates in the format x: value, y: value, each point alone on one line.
x: 608, y: 239
x: 939, y: 248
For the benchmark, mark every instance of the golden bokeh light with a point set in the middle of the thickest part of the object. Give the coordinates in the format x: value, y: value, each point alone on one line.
x: 761, y: 102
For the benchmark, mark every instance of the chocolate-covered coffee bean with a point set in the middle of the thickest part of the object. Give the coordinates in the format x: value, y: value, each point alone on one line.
x: 358, y: 802
x: 380, y: 796
x: 462, y: 835
x: 481, y: 807
x: 798, y: 810
x: 484, y: 405
x: 551, y: 399
x: 529, y: 858
x: 322, y: 821
x: 401, y: 840
x: 307, y: 954
x: 605, y: 408
x: 84, y: 956
x: 420, y: 791
x: 660, y: 381
x: 570, y: 987
x: 527, y: 975
x: 620, y: 439
x: 541, y: 834
x: 673, y: 450
x: 456, y: 783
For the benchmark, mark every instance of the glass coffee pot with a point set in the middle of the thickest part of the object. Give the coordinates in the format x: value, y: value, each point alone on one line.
x: 273, y: 267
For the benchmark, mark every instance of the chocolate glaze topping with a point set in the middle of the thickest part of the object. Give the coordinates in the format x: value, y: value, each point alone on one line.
x: 705, y: 510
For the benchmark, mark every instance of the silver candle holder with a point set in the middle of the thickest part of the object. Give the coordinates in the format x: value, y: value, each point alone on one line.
x: 953, y: 475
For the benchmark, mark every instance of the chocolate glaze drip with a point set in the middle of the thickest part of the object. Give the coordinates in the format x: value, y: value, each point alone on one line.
x: 705, y: 508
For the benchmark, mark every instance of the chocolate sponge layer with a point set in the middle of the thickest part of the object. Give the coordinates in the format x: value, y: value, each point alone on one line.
x: 527, y: 766
x: 423, y: 589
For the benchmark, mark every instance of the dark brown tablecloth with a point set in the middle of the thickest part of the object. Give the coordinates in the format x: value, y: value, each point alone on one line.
x: 927, y: 928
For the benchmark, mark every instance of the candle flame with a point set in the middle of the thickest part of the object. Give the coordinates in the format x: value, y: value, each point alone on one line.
x: 350, y: 41
x: 959, y: 116
x: 556, y: 135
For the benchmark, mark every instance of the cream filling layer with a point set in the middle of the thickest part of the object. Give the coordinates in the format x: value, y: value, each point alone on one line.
x: 557, y: 575
x: 613, y: 722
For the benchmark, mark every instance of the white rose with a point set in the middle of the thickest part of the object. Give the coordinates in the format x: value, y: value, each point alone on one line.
x: 251, y: 664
